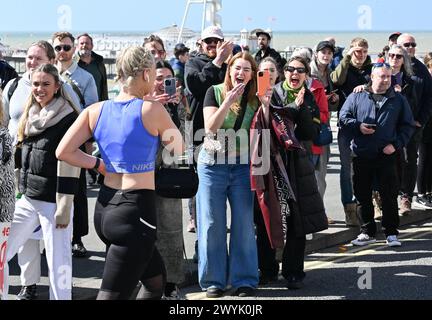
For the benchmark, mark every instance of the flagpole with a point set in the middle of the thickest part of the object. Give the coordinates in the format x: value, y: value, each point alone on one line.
x: 179, y: 38
x: 204, y: 15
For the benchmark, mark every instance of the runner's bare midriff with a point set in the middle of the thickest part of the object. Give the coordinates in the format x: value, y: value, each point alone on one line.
x: 127, y: 181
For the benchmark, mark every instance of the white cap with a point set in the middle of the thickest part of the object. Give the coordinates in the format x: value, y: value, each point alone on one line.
x: 212, y: 32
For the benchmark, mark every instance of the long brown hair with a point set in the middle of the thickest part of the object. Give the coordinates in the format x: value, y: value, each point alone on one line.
x: 52, y: 70
x: 251, y: 87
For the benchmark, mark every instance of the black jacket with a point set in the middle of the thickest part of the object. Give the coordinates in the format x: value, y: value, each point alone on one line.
x: 425, y: 101
x: 38, y: 176
x: 308, y: 211
x: 412, y: 90
x: 201, y: 74
x: 7, y: 73
x: 103, y: 86
x: 270, y: 52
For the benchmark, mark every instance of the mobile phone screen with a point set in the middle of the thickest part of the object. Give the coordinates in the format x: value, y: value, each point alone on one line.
x: 263, y: 82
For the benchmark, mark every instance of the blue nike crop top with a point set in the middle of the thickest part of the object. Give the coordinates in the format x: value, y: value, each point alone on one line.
x: 125, y: 144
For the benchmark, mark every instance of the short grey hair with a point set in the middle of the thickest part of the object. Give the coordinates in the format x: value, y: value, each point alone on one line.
x: 304, y: 52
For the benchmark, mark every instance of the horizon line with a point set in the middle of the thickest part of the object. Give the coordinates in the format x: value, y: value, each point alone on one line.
x: 225, y: 31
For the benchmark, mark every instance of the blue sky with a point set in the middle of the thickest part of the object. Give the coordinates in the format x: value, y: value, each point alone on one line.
x: 279, y: 15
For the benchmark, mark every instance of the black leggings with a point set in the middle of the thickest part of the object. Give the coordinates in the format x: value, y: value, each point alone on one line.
x: 125, y: 221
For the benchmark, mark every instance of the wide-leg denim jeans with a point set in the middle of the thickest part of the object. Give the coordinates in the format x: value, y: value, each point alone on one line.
x: 218, y: 267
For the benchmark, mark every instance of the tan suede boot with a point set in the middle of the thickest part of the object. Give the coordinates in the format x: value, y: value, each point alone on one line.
x: 376, y: 200
x: 351, y: 219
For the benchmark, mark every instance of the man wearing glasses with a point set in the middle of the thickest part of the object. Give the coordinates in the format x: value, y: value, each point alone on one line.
x: 77, y: 77
x: 206, y: 69
x: 409, y: 43
x: 381, y: 123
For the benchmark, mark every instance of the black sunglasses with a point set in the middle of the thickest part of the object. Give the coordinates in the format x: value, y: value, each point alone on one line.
x: 292, y: 69
x: 395, y: 56
x: 66, y: 48
x: 212, y: 40
x: 410, y: 44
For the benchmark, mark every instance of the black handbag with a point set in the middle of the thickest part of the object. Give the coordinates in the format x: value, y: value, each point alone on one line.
x: 177, y: 183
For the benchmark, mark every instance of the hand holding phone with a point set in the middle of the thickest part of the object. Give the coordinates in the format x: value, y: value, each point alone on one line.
x: 370, y: 125
x: 263, y: 82
x: 170, y: 86
x: 367, y: 128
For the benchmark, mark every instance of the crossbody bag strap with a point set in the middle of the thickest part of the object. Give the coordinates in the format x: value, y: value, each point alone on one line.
x: 243, y: 107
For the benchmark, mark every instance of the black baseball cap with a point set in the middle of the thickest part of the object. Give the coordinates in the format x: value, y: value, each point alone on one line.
x: 180, y: 47
x: 325, y: 44
x: 394, y: 36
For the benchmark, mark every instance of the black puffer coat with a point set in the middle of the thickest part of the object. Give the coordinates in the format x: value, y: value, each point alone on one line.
x: 308, y: 211
x: 38, y: 176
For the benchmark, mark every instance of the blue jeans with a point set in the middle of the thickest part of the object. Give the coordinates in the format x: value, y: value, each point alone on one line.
x: 217, y: 268
x: 347, y: 195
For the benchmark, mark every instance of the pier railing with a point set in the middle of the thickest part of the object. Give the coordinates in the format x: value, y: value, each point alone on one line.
x: 19, y: 64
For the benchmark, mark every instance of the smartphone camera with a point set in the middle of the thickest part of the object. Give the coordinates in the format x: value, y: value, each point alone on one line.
x: 260, y: 73
x: 170, y: 86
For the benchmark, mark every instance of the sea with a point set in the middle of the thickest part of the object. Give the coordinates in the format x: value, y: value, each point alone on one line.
x: 281, y: 40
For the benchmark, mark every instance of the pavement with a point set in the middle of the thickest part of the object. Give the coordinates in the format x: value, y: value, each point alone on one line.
x: 87, y: 272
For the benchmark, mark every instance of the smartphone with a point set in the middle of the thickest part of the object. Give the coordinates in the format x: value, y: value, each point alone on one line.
x: 370, y: 125
x: 170, y: 86
x: 263, y: 82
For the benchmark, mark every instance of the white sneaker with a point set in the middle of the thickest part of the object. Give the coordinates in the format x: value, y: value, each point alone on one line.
x: 363, y: 239
x: 392, y: 241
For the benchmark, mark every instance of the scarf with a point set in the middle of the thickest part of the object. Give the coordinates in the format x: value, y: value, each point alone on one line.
x: 291, y: 93
x: 273, y: 187
x: 40, y: 119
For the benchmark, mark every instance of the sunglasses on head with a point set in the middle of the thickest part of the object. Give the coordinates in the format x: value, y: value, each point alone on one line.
x: 395, y: 56
x: 292, y: 69
x: 410, y: 44
x: 211, y: 40
x: 381, y: 65
x: 66, y: 48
